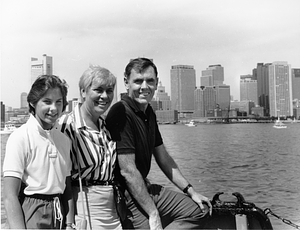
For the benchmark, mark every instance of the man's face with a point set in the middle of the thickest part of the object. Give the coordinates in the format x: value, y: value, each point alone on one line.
x: 141, y: 86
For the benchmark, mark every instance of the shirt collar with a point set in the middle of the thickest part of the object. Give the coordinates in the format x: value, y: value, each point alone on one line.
x: 133, y: 104
x: 34, y: 124
x: 79, y: 121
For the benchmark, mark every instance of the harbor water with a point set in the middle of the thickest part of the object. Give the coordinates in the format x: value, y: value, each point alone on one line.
x: 256, y: 160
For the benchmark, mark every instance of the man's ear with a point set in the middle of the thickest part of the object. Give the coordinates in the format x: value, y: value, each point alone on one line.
x: 126, y: 83
x: 157, y: 80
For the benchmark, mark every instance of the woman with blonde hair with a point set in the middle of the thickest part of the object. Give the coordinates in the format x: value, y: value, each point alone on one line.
x: 93, y: 152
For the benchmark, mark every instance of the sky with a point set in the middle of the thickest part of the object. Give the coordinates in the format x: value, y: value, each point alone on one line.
x: 236, y: 34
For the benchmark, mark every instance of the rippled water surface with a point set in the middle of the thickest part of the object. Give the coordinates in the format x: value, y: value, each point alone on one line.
x: 257, y: 160
x: 260, y: 162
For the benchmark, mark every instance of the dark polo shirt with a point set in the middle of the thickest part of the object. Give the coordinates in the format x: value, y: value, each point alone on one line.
x: 134, y: 131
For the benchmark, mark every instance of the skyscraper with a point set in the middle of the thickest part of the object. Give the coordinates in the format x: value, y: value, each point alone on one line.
x: 205, y: 100
x: 248, y: 89
x: 280, y: 88
x: 24, y: 103
x: 262, y: 76
x: 40, y: 67
x: 183, y: 83
x: 223, y: 96
x: 213, y: 75
x: 296, y: 83
x: 162, y: 96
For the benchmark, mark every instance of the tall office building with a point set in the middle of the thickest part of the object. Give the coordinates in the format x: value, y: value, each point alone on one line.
x: 296, y: 83
x: 24, y: 103
x: 280, y: 89
x: 2, y: 111
x: 261, y: 75
x: 223, y: 96
x: 205, y: 100
x: 183, y: 83
x: 162, y: 96
x: 248, y: 89
x: 213, y: 75
x: 40, y: 67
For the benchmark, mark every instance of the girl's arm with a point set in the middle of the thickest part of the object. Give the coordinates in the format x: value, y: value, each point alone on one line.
x: 14, y: 212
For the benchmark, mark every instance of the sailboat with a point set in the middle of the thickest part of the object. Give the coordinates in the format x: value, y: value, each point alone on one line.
x: 279, y: 125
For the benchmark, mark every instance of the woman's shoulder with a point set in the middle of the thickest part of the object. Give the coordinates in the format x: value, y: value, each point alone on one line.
x: 65, y: 122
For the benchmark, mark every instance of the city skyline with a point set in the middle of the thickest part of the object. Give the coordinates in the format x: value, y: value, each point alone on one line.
x: 235, y: 34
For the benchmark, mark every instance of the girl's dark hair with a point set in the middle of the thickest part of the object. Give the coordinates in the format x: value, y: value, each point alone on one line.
x: 41, y: 85
x: 139, y: 65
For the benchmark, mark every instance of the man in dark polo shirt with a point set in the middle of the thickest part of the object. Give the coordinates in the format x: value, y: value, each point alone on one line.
x: 132, y: 124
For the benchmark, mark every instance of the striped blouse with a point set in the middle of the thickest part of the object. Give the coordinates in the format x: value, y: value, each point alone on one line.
x: 96, y: 150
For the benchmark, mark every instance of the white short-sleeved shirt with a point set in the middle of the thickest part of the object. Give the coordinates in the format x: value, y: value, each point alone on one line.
x: 39, y: 157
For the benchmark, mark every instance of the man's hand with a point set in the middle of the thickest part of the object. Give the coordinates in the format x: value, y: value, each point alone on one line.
x: 199, y: 199
x: 154, y: 222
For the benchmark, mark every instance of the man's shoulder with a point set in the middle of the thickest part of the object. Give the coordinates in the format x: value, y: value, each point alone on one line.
x: 116, y: 119
x: 115, y: 112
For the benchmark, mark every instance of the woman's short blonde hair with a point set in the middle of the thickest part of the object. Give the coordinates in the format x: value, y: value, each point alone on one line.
x: 96, y: 72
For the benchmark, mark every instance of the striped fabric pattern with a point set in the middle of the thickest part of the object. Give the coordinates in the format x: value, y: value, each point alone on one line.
x: 97, y: 151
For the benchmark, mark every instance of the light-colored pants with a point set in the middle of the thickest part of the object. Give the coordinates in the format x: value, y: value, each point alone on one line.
x: 100, y: 209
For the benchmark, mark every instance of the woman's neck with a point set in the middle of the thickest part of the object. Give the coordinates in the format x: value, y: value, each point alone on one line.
x: 89, y: 118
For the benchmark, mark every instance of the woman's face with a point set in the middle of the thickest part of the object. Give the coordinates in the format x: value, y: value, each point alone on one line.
x: 98, y: 97
x: 49, y: 108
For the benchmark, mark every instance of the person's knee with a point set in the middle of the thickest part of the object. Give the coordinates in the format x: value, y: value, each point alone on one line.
x: 201, y: 213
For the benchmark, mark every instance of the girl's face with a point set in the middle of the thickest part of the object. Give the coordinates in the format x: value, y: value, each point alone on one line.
x: 49, y: 108
x: 98, y: 97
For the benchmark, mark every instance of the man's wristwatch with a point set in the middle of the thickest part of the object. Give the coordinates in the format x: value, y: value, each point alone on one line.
x: 185, y: 190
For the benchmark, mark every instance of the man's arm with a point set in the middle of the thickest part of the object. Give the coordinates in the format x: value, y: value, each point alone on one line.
x: 136, y: 186
x: 171, y: 170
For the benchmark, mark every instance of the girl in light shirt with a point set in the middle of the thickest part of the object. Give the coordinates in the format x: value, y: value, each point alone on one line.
x: 37, y: 163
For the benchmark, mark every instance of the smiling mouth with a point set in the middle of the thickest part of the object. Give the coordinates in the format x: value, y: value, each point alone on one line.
x: 101, y: 103
x: 52, y: 115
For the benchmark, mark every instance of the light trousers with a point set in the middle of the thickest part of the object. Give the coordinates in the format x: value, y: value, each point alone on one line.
x: 99, y: 207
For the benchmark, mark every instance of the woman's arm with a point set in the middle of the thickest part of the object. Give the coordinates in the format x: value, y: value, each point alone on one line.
x: 14, y: 212
x: 68, y: 203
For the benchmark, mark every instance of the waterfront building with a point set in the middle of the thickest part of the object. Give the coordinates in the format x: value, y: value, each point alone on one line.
x: 72, y: 104
x: 213, y: 75
x: 280, y: 89
x: 2, y: 111
x: 223, y: 96
x: 242, y: 106
x: 248, y: 89
x: 162, y: 96
x: 205, y: 100
x: 297, y: 113
x: 166, y: 116
x: 24, y: 103
x: 40, y: 67
x: 296, y: 83
x: 260, y: 73
x: 257, y: 111
x: 162, y: 106
x: 183, y: 83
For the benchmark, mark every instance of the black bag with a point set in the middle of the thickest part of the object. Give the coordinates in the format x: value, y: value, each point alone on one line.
x: 120, y: 202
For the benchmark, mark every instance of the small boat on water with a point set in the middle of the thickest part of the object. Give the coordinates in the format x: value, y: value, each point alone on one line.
x: 8, y: 128
x: 239, y: 215
x: 191, y: 124
x: 279, y: 124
